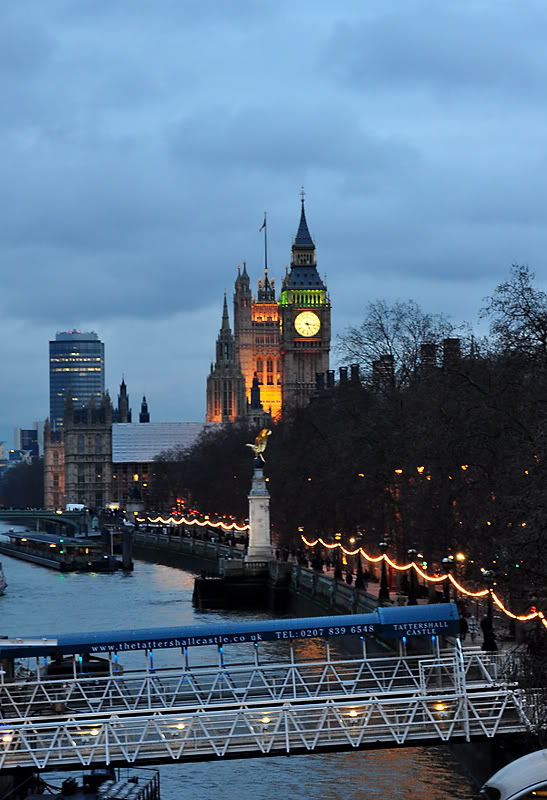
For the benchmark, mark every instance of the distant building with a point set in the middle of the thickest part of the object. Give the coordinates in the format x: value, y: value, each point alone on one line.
x: 3, y: 459
x: 39, y: 428
x: 26, y: 439
x: 76, y: 370
x: 54, y: 468
x: 101, y: 459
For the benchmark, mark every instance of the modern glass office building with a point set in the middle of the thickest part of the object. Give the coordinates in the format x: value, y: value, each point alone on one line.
x: 76, y: 367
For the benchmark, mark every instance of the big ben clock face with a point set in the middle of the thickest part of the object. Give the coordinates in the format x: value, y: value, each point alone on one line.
x: 307, y: 323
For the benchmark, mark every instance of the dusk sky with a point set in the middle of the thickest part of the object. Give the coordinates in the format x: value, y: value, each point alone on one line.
x: 141, y: 143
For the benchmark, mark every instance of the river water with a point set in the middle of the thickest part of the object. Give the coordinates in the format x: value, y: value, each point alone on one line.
x: 40, y: 601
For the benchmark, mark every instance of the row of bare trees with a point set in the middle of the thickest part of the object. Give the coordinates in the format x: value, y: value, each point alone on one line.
x: 436, y: 458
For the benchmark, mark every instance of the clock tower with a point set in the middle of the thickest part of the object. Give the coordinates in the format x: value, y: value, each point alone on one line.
x: 304, y: 314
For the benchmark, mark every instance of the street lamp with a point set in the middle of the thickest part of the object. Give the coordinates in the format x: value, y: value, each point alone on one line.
x: 412, y: 598
x: 447, y: 565
x: 487, y: 623
x: 383, y: 594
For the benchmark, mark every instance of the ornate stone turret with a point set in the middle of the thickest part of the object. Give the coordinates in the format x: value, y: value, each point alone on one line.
x: 124, y: 412
x: 225, y: 384
x: 144, y: 416
x: 266, y: 289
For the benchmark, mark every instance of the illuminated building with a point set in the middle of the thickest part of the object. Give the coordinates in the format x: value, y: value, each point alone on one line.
x: 278, y: 346
x: 76, y: 370
x: 304, y: 311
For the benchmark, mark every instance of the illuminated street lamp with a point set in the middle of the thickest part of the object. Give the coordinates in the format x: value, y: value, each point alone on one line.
x: 383, y: 594
x: 412, y: 594
x: 487, y: 623
x: 447, y: 566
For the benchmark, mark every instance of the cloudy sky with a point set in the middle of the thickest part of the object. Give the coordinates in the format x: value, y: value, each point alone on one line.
x: 141, y: 142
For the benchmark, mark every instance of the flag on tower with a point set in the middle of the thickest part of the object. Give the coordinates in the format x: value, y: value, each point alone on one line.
x: 263, y: 224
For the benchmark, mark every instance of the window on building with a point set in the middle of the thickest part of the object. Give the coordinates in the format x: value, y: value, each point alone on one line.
x: 81, y: 444
x: 269, y: 372
x: 56, y: 480
x: 227, y: 398
x: 55, y: 499
x: 81, y: 474
x: 55, y: 457
x: 99, y: 472
x: 260, y: 370
x: 98, y: 499
x: 98, y: 444
x: 216, y: 399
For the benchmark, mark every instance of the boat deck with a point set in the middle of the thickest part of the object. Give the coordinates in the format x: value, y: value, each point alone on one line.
x: 131, y: 784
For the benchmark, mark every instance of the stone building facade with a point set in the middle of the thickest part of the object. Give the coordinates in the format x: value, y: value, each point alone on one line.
x: 88, y: 454
x: 54, y: 468
x: 100, y: 458
x: 78, y: 465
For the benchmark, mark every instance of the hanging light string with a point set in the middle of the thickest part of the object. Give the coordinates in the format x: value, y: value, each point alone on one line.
x: 430, y: 578
x: 232, y: 526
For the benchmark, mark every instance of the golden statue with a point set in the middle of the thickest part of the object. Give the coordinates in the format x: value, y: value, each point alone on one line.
x: 260, y: 443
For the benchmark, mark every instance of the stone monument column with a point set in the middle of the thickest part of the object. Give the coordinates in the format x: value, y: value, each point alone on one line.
x: 260, y: 543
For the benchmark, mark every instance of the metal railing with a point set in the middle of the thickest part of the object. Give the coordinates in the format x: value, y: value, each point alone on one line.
x: 169, y: 687
x: 241, y: 729
x: 225, y: 710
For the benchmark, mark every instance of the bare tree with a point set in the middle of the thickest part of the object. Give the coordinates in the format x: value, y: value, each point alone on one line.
x: 397, y: 331
x: 518, y: 315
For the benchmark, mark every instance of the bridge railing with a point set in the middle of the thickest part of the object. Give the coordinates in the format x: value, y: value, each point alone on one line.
x: 169, y: 687
x: 270, y: 727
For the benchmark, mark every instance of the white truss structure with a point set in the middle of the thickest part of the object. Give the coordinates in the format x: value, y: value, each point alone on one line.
x: 199, y: 713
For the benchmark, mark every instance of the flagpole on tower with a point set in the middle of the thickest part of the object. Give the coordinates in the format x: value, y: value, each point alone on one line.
x: 265, y: 229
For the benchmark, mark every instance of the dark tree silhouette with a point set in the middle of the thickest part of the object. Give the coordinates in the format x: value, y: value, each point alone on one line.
x: 23, y: 486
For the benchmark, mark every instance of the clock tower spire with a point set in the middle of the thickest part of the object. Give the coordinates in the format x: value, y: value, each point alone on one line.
x: 304, y: 309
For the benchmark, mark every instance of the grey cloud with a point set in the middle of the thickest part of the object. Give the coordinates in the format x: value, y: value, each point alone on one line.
x: 24, y: 47
x: 289, y: 137
x: 141, y: 142
x: 445, y: 46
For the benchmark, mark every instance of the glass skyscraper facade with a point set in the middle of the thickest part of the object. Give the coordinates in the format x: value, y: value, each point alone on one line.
x: 76, y: 368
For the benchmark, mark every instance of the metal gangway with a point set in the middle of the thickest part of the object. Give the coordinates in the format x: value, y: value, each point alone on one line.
x: 81, y: 709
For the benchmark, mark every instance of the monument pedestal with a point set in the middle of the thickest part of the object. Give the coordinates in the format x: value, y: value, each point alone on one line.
x: 260, y: 542
x: 246, y: 584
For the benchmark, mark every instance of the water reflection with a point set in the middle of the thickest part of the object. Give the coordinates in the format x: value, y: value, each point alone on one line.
x: 41, y: 602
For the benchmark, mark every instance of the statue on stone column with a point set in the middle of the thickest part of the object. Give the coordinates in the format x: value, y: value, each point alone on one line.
x: 260, y: 444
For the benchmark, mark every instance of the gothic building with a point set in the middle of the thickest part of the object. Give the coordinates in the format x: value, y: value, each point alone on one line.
x: 269, y: 365
x: 78, y: 465
x: 225, y: 384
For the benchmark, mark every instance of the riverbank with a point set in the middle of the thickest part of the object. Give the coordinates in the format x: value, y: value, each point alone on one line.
x: 311, y: 593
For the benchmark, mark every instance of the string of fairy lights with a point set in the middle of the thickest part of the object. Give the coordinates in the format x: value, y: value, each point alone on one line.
x: 234, y: 526
x: 429, y: 578
x: 205, y: 523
